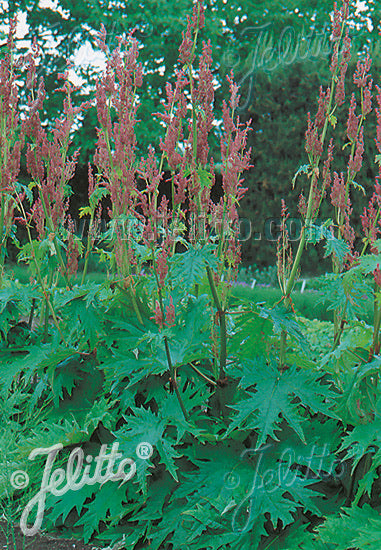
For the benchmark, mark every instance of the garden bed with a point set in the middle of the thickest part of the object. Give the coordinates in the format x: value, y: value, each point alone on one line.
x: 40, y: 542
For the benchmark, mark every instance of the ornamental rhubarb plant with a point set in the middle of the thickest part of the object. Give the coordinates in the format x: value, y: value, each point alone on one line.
x: 237, y: 430
x: 11, y: 141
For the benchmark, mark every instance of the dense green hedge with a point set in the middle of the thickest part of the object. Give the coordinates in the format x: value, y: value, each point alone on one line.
x: 280, y: 103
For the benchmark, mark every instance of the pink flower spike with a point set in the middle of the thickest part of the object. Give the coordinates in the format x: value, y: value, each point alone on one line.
x: 170, y: 314
x: 362, y: 72
x: 377, y: 275
x: 158, y: 317
x: 353, y: 120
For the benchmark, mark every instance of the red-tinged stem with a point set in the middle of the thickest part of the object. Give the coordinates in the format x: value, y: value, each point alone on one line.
x: 2, y: 239
x: 46, y: 313
x: 337, y: 318
x: 172, y: 369
x: 38, y: 272
x: 309, y: 213
x: 209, y: 380
x: 341, y: 328
x: 52, y: 231
x: 377, y: 322
x: 173, y: 373
x: 222, y: 322
x: 125, y: 256
x: 87, y: 253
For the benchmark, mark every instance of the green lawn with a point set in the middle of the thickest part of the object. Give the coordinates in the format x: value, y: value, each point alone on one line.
x: 22, y: 274
x: 308, y: 304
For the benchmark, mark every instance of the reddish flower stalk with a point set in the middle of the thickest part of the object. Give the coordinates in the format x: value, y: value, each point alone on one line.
x: 176, y: 111
x: 355, y: 161
x: 339, y: 20
x: 148, y: 197
x: 190, y: 153
x: 353, y: 120
x: 370, y: 219
x: 284, y: 251
x: 235, y: 160
x: 377, y: 275
x: 158, y: 317
x: 11, y: 138
x: 73, y: 249
x: 170, y: 314
x: 162, y: 263
x: 115, y: 155
x: 323, y: 104
x: 204, y: 96
x: 47, y: 159
x: 361, y: 75
x: 95, y: 211
x: 355, y: 134
x: 315, y: 139
x: 341, y: 201
x: 187, y: 156
x: 116, y: 98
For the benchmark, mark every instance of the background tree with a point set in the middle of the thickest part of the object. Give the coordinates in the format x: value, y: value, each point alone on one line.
x: 279, y: 53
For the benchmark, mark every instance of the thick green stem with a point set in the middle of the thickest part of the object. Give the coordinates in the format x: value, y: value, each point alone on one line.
x: 85, y: 267
x: 135, y: 306
x: 172, y: 369
x: 113, y: 168
x: 131, y: 291
x: 376, y: 323
x: 222, y: 239
x: 50, y: 224
x: 39, y: 277
x: 88, y: 247
x: 366, y: 243
x: 294, y: 270
x: 173, y: 375
x: 222, y: 323
x: 310, y: 213
x: 308, y: 220
x: 46, y: 313
x: 209, y: 380
x: 2, y: 239
x: 338, y: 320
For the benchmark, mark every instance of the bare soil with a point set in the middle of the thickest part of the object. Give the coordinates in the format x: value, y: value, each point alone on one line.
x: 39, y: 542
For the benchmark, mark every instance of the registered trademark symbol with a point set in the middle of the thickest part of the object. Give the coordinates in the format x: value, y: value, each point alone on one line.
x: 144, y: 450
